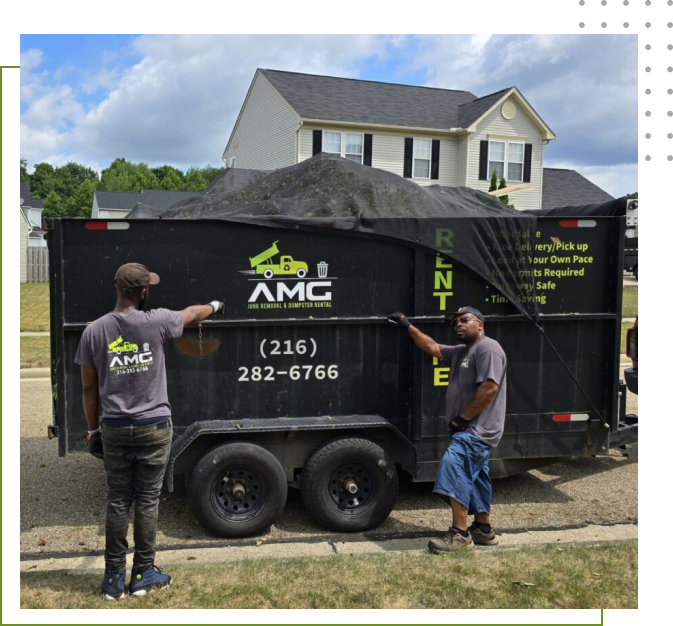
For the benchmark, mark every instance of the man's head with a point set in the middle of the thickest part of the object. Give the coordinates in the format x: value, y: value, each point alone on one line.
x: 133, y: 280
x: 468, y: 324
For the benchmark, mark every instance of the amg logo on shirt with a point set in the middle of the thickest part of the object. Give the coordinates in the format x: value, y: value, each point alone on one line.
x: 128, y: 358
x: 466, y: 362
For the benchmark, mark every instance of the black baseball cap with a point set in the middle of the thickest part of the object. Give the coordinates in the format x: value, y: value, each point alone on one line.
x: 466, y: 309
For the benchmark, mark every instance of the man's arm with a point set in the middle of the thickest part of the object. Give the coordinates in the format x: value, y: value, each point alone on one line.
x: 199, y: 312
x: 90, y: 396
x: 485, y: 394
x: 425, y: 343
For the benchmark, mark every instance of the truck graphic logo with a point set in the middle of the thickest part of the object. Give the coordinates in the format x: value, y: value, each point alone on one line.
x: 290, y: 287
x: 264, y: 264
x: 118, y: 346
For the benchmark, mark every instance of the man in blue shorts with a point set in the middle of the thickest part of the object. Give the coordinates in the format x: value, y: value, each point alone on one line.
x: 475, y: 410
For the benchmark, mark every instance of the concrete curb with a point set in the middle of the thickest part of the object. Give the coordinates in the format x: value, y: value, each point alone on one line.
x: 508, y: 541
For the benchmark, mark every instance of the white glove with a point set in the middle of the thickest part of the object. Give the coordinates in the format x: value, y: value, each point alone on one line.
x: 217, y: 306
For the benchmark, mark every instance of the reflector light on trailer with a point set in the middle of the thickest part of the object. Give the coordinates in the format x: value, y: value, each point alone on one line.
x: 577, y: 223
x: 107, y: 225
x: 571, y: 417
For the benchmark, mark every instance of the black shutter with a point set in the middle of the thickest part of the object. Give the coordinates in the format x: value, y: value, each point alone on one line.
x: 317, y: 142
x: 408, y: 156
x: 483, y: 160
x: 368, y: 150
x: 434, y: 164
x: 527, y: 158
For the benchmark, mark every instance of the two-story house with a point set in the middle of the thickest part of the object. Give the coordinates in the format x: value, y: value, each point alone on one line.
x: 431, y: 136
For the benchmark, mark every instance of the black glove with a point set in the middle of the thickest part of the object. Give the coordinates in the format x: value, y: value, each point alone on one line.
x: 399, y: 319
x: 458, y: 424
x: 95, y: 444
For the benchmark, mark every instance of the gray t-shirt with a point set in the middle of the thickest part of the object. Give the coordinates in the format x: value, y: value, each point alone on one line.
x: 484, y: 360
x: 127, y: 351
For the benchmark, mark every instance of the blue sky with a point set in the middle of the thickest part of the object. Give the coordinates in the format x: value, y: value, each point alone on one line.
x: 174, y: 99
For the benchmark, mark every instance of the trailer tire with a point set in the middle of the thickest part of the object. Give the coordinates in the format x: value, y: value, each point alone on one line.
x: 237, y: 489
x: 340, y: 466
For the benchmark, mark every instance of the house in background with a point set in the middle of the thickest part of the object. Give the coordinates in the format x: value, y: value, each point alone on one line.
x: 569, y: 188
x: 32, y: 208
x: 117, y: 204
x: 431, y: 136
x: 25, y: 229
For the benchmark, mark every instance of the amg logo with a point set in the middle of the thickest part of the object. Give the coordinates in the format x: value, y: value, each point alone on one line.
x: 313, y: 291
x: 131, y: 359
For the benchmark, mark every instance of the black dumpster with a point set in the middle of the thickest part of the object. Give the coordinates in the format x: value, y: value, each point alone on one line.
x: 302, y: 381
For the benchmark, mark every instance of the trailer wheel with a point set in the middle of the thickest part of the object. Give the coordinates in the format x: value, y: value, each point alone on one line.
x: 268, y: 273
x: 237, y: 489
x: 349, y: 485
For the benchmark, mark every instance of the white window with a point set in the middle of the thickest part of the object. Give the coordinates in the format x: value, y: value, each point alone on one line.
x: 514, y: 162
x: 496, y: 159
x: 506, y: 159
x: 422, y: 157
x: 331, y: 142
x: 352, y: 147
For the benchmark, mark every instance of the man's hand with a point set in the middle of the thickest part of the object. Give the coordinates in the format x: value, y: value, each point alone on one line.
x: 217, y: 306
x: 458, y: 424
x: 399, y: 319
x: 95, y: 443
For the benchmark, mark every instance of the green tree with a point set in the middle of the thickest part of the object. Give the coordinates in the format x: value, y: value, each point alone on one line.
x: 122, y: 175
x: 54, y: 205
x: 69, y: 177
x: 42, y: 180
x: 81, y: 202
x: 166, y: 171
x: 25, y: 176
x: 211, y: 173
x: 173, y: 181
x: 494, y: 181
x: 503, y: 184
x: 194, y: 181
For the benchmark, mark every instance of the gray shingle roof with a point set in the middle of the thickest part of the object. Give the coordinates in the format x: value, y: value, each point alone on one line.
x: 569, y: 188
x: 28, y: 201
x: 25, y: 192
x: 161, y: 199
x: 472, y: 111
x: 369, y: 102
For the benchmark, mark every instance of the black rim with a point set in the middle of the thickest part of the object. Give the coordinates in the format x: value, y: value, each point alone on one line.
x: 352, y: 489
x: 239, y: 493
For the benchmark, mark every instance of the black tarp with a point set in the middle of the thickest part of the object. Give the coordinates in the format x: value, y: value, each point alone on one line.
x: 486, y: 236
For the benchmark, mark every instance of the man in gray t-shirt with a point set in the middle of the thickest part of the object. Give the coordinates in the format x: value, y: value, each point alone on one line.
x: 475, y: 410
x: 121, y: 357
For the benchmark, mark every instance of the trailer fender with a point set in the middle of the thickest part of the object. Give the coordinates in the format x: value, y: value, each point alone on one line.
x: 272, y: 425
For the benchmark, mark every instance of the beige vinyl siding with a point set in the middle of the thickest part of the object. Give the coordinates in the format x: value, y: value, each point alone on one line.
x: 25, y: 229
x: 264, y: 137
x: 388, y: 151
x: 521, y: 126
x: 462, y: 146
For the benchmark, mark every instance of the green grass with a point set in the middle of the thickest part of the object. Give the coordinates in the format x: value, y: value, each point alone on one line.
x: 34, y: 307
x: 630, y: 303
x: 541, y: 578
x: 35, y: 352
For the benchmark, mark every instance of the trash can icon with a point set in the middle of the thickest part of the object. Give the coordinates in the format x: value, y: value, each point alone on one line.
x: 322, y: 269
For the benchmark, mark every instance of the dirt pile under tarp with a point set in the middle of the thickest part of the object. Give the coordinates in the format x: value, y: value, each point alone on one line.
x: 483, y: 234
x: 329, y: 186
